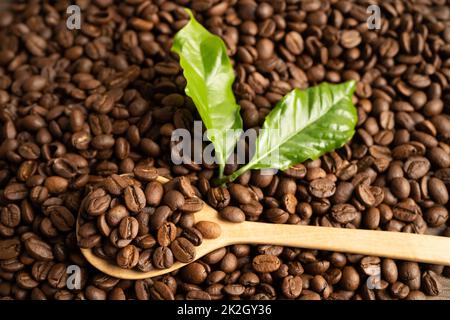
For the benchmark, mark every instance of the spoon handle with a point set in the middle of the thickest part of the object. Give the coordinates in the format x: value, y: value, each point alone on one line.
x: 396, y: 245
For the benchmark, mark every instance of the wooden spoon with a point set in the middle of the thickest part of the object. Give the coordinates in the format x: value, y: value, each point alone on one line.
x: 395, y: 245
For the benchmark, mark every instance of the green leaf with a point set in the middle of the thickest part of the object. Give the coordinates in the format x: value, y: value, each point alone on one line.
x: 210, y: 75
x: 304, y: 125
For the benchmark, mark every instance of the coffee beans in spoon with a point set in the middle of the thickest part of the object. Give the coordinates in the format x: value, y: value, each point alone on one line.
x: 139, y: 223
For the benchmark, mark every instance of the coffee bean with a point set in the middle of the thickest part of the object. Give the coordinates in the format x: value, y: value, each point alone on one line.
x: 115, y: 184
x: 163, y: 258
x: 294, y: 42
x: 436, y: 216
x: 218, y: 197
x: 166, y: 234
x: 61, y: 218
x: 86, y: 130
x: 439, y: 157
x: 322, y: 188
x: 15, y: 191
x: 93, y: 293
x: 194, y: 273
x: 193, y: 235
x: 134, y: 198
x: 389, y: 270
x: 173, y: 199
x: 160, y: 291
x: 153, y: 193
x: 115, y: 215
x: 209, y: 230
x: 145, y: 173
x: 232, y: 214
x: 276, y: 215
x: 127, y: 257
x: 160, y: 216
x: 191, y: 205
x: 431, y: 284
x: 438, y: 191
x: 343, y: 213
x: 350, y: 278
x: 128, y: 228
x: 292, y: 286
x: 10, y: 216
x: 266, y: 263
x: 240, y: 193
x: 9, y: 249
x: 406, y: 211
x: 399, y: 290
x: 400, y: 187
x: 38, y: 249
x: 416, y: 167
x: 350, y: 39
x: 97, y: 202
x: 183, y: 250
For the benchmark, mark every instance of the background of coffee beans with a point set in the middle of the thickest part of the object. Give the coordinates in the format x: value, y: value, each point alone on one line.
x: 77, y: 106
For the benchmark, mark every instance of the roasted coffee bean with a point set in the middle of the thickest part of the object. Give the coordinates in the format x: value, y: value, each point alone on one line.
x: 193, y: 235
x: 350, y: 278
x: 145, y: 173
x: 400, y: 187
x: 194, y: 273
x: 162, y: 258
x: 173, y: 199
x: 240, y: 193
x: 365, y: 195
x: 61, y: 218
x: 153, y: 193
x: 406, y: 211
x: 166, y: 234
x: 183, y: 250
x: 218, y: 197
x: 9, y: 249
x: 209, y: 230
x: 232, y: 214
x: 343, y: 213
x: 160, y: 291
x: 134, y: 198
x: 115, y: 215
x: 430, y: 283
x: 193, y: 204
x: 38, y: 249
x: 97, y: 202
x: 322, y: 188
x: 436, y: 216
x: 292, y: 286
x: 10, y: 216
x: 438, y: 191
x: 266, y: 263
x: 416, y: 167
x: 127, y: 257
x: 276, y: 215
x: 15, y: 191
x: 128, y: 228
x: 185, y: 187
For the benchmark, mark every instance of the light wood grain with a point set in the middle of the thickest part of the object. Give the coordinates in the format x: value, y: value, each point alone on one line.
x: 403, y: 246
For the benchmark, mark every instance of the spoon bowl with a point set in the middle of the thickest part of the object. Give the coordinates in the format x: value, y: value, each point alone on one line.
x: 395, y: 245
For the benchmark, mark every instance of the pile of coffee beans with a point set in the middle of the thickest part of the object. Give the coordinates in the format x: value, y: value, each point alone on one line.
x: 83, y: 106
x: 140, y: 223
